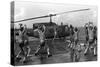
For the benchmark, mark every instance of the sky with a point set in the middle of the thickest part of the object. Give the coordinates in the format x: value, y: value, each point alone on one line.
x: 27, y: 9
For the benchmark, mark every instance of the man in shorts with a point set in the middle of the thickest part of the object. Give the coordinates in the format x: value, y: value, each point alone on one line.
x: 71, y: 36
x: 87, y: 38
x: 95, y: 40
x: 76, y: 47
x: 90, y: 38
x: 23, y: 43
x: 41, y: 31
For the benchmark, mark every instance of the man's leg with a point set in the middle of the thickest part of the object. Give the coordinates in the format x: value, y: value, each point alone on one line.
x: 27, y: 48
x: 94, y: 51
x: 18, y: 54
x: 95, y: 48
x: 36, y: 53
x: 48, y: 51
x: 51, y: 47
x: 91, y: 46
x: 23, y: 53
x: 21, y: 50
x: 86, y: 49
x: 72, y: 54
x: 28, y: 51
x: 49, y: 54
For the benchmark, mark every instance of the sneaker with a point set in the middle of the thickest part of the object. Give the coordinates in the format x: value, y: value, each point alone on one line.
x: 49, y: 55
x: 18, y: 59
x: 85, y: 53
x: 95, y: 54
x: 36, y: 54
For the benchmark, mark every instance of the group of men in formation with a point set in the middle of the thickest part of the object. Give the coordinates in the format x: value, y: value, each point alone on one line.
x: 23, y: 41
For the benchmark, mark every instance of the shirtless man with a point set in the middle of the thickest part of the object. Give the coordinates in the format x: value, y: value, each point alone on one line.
x: 23, y: 43
x: 90, y: 38
x: 41, y: 31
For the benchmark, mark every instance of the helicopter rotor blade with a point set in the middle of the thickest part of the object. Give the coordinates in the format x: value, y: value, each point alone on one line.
x: 31, y: 18
x: 51, y: 15
x: 72, y: 11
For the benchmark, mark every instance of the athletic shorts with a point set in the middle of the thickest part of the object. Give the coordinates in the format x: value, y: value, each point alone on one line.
x: 87, y: 38
x: 71, y: 38
x: 23, y: 44
x: 91, y: 41
x: 76, y: 40
x: 95, y: 37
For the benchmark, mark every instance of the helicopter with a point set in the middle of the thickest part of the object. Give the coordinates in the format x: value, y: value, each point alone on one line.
x: 51, y: 27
